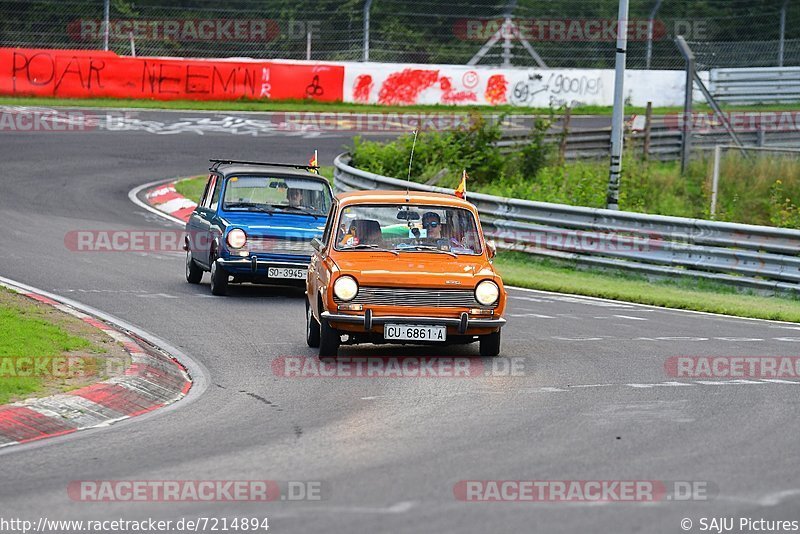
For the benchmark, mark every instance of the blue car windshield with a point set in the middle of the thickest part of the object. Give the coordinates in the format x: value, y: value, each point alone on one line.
x: 286, y: 194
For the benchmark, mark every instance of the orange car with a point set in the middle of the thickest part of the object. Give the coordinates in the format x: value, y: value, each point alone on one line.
x: 397, y: 267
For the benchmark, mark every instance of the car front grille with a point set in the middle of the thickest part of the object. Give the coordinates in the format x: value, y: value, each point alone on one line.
x: 273, y: 245
x: 432, y: 298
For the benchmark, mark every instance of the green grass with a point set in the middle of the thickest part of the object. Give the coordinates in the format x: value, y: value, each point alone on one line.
x: 310, y: 105
x: 24, y: 335
x: 520, y: 270
x: 192, y: 188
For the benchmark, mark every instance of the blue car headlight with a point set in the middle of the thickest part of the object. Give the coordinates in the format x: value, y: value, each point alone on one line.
x: 237, y: 238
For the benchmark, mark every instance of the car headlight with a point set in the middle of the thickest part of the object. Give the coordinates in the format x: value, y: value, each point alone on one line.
x: 236, y: 238
x: 345, y: 288
x: 487, y: 293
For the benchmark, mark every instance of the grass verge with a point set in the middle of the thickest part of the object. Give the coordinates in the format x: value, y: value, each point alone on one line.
x: 313, y: 106
x: 36, y: 343
x: 521, y: 270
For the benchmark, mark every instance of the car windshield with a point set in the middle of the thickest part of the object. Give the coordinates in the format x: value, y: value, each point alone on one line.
x: 285, y: 194
x: 408, y: 228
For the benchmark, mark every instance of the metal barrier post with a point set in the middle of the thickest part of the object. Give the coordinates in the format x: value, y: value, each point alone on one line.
x: 715, y: 180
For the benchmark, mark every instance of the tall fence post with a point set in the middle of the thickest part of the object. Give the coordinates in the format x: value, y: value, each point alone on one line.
x: 615, y: 167
x: 648, y: 125
x: 367, y: 6
x: 782, y: 43
x: 106, y: 22
x: 650, y: 23
x: 508, y: 32
x: 686, y: 137
x: 562, y: 143
x: 715, y: 180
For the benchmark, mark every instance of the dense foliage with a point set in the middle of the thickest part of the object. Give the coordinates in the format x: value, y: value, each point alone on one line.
x: 757, y: 190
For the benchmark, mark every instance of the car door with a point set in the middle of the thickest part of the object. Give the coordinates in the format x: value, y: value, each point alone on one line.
x: 201, y: 221
x: 315, y: 276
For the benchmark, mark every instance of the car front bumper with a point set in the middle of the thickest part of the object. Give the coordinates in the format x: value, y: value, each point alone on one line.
x: 257, y: 266
x: 464, y: 323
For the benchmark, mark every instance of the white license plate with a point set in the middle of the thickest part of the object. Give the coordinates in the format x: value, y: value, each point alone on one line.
x: 285, y: 272
x: 410, y: 332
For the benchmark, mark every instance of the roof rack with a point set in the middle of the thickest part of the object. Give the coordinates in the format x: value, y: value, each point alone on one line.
x: 217, y: 162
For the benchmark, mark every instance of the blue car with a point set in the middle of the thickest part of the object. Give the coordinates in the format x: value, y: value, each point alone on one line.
x: 255, y: 223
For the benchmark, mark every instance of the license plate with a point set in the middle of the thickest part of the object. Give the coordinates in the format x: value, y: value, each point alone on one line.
x: 410, y: 332
x: 285, y: 272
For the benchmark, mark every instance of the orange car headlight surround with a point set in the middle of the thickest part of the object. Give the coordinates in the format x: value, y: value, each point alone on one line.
x: 345, y: 288
x: 487, y: 293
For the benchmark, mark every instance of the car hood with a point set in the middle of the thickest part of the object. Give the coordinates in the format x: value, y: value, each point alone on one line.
x: 415, y: 269
x: 277, y: 224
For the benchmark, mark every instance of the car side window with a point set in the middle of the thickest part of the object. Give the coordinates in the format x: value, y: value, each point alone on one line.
x: 326, y: 234
x: 214, y: 201
x: 203, y: 197
x: 210, y: 199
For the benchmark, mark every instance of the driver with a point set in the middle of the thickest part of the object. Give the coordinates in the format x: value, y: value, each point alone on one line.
x: 295, y: 197
x: 433, y: 224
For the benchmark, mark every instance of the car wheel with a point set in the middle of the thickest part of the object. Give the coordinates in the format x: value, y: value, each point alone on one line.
x: 490, y: 344
x: 219, y: 280
x: 194, y: 274
x: 312, y: 328
x: 329, y: 340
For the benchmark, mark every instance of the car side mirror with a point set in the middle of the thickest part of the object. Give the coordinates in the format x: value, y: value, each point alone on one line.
x: 491, y: 249
x: 316, y: 244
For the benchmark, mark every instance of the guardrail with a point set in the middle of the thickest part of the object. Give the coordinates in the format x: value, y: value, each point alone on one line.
x: 760, y: 257
x: 756, y: 85
x: 665, y: 142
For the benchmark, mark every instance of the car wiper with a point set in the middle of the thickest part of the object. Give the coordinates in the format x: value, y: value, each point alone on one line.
x: 252, y: 205
x: 374, y: 247
x: 305, y: 211
x: 428, y: 248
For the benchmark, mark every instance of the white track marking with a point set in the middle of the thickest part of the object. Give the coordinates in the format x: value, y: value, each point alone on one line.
x: 631, y: 317
x: 133, y: 197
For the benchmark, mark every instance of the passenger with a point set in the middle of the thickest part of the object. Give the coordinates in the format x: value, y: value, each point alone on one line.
x: 350, y: 239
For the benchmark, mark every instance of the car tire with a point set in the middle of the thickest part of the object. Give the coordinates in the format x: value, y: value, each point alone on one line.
x: 312, y: 328
x: 219, y: 280
x: 490, y: 344
x: 194, y: 274
x: 329, y: 341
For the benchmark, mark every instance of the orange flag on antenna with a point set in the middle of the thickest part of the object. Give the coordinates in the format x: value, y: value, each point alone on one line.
x: 313, y: 161
x: 461, y: 190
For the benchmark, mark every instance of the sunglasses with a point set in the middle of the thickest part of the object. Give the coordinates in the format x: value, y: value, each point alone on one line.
x: 432, y: 224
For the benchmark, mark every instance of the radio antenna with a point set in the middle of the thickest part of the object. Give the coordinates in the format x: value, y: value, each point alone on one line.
x: 410, y: 161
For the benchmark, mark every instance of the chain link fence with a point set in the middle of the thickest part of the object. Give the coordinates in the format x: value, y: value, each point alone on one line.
x: 555, y: 33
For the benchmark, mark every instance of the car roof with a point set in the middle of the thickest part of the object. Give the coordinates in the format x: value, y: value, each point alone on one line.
x: 414, y: 197
x: 238, y: 168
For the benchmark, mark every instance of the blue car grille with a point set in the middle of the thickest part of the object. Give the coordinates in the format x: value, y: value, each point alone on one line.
x: 273, y: 245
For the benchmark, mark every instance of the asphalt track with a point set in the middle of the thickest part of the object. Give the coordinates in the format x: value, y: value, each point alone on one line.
x: 593, y: 403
